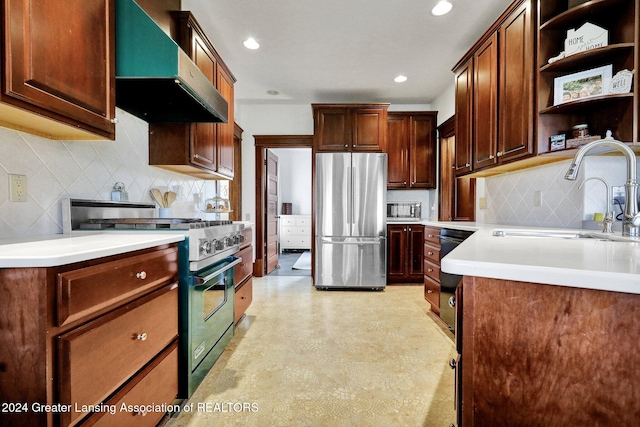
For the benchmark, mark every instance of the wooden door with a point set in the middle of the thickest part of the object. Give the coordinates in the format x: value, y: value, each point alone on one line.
x: 59, y: 56
x: 272, y: 212
x: 397, y: 254
x: 516, y: 97
x: 463, y: 120
x: 415, y: 239
x: 422, y: 157
x: 203, y: 135
x: 225, y: 130
x: 485, y: 93
x: 398, y: 152
x: 369, y: 129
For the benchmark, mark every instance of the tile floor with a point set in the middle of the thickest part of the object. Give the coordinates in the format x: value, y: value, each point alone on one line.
x: 303, y: 357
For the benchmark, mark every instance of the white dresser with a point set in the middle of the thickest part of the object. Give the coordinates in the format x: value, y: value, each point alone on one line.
x: 295, y: 232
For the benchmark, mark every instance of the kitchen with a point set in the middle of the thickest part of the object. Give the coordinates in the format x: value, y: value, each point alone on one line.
x: 535, y: 197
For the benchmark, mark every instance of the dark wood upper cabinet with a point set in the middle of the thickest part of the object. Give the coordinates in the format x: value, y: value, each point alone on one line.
x: 350, y: 127
x: 495, y: 121
x: 58, y: 68
x: 516, y: 114
x: 464, y: 118
x: 203, y: 150
x: 412, y: 150
x: 485, y: 103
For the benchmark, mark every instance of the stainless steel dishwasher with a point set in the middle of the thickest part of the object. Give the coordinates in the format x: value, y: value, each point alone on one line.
x: 449, y: 240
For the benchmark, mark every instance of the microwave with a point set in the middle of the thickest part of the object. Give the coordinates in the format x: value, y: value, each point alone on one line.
x: 404, y: 211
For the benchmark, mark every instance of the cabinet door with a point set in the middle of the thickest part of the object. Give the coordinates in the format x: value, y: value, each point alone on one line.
x: 225, y: 130
x: 516, y: 98
x: 369, y: 129
x: 464, y: 114
x: 59, y: 57
x: 415, y: 236
x: 332, y: 129
x: 397, y: 259
x: 485, y: 107
x: 423, y: 152
x: 398, y: 151
x: 203, y: 135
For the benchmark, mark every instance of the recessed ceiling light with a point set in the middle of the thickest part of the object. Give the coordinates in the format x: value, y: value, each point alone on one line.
x: 443, y: 7
x: 273, y: 92
x: 251, y: 43
x: 400, y: 79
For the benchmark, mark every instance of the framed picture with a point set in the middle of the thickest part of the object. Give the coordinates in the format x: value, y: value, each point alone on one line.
x: 557, y: 142
x: 594, y: 82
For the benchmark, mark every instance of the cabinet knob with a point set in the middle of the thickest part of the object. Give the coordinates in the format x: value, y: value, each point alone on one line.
x: 452, y: 302
x: 404, y: 182
x: 429, y: 291
x: 430, y: 270
x: 429, y: 253
x: 452, y: 363
x: 243, y: 297
x: 430, y: 235
x: 142, y: 336
x: 490, y: 156
x: 141, y: 275
x: 466, y: 165
x: 346, y: 146
x: 114, y: 120
x: 141, y: 413
x: 499, y: 153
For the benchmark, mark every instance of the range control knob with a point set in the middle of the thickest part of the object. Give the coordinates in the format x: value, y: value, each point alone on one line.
x: 229, y: 241
x: 219, y: 245
x: 205, y: 247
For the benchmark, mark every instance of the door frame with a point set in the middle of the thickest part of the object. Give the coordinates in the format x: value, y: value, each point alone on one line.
x: 262, y: 143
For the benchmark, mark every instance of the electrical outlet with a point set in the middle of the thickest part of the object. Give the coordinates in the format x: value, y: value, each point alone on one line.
x: 617, y: 195
x: 482, y: 202
x: 17, y: 188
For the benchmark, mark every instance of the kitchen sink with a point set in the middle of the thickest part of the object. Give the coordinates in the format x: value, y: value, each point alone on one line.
x: 559, y: 234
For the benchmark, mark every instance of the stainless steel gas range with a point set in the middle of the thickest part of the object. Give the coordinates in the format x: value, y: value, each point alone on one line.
x: 206, y: 260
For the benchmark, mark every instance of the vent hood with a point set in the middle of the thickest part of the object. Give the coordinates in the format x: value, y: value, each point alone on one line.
x: 155, y: 79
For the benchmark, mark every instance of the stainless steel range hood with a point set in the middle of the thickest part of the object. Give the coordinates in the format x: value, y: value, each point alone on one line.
x: 155, y: 79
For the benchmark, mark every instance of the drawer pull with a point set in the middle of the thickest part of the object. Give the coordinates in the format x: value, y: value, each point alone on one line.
x: 452, y: 302
x: 430, y: 270
x: 243, y: 297
x: 429, y: 253
x: 141, y: 275
x: 430, y: 235
x: 452, y: 363
x: 429, y: 291
x: 142, y: 336
x: 141, y: 413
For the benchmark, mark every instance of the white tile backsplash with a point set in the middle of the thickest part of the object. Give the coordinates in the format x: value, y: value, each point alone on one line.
x: 83, y: 170
x: 511, y: 196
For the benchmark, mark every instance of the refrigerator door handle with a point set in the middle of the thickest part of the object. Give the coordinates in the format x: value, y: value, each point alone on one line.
x: 350, y: 215
x: 363, y: 242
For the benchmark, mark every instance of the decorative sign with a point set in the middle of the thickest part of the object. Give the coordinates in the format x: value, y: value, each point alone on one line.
x: 621, y: 82
x: 587, y: 37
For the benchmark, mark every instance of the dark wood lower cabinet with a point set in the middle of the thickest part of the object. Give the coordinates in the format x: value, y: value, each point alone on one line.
x: 91, y: 333
x: 542, y: 355
x: 404, y: 254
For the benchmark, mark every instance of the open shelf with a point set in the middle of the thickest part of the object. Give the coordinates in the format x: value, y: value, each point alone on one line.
x: 587, y: 59
x: 580, y: 13
x: 581, y: 104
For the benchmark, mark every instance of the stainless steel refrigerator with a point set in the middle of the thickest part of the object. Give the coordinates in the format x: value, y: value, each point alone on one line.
x: 351, y: 220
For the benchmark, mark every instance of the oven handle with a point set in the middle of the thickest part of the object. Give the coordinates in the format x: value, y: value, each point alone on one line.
x: 199, y: 280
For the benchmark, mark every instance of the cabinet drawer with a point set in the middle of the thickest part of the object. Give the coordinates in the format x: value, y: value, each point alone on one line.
x: 242, y: 299
x: 96, y: 358
x: 303, y: 222
x: 431, y: 235
x: 432, y: 253
x: 296, y: 231
x: 296, y: 242
x: 86, y: 291
x: 156, y: 384
x: 432, y: 270
x: 287, y: 220
x: 432, y: 292
x: 245, y: 268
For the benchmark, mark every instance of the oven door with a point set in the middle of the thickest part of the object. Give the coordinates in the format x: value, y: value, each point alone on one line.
x: 210, y: 314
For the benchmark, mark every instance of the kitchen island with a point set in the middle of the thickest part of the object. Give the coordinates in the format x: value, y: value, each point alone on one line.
x: 546, y: 329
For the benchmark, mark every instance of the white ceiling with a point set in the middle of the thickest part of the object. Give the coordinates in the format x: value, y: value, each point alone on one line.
x: 342, y: 50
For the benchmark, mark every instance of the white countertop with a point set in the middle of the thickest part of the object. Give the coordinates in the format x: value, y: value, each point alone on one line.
x: 59, y: 249
x: 583, y: 263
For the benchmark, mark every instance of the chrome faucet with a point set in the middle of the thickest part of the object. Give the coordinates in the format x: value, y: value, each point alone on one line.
x: 607, y: 223
x: 631, y: 217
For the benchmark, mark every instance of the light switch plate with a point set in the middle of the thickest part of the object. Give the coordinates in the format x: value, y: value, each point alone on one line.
x: 17, y: 188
